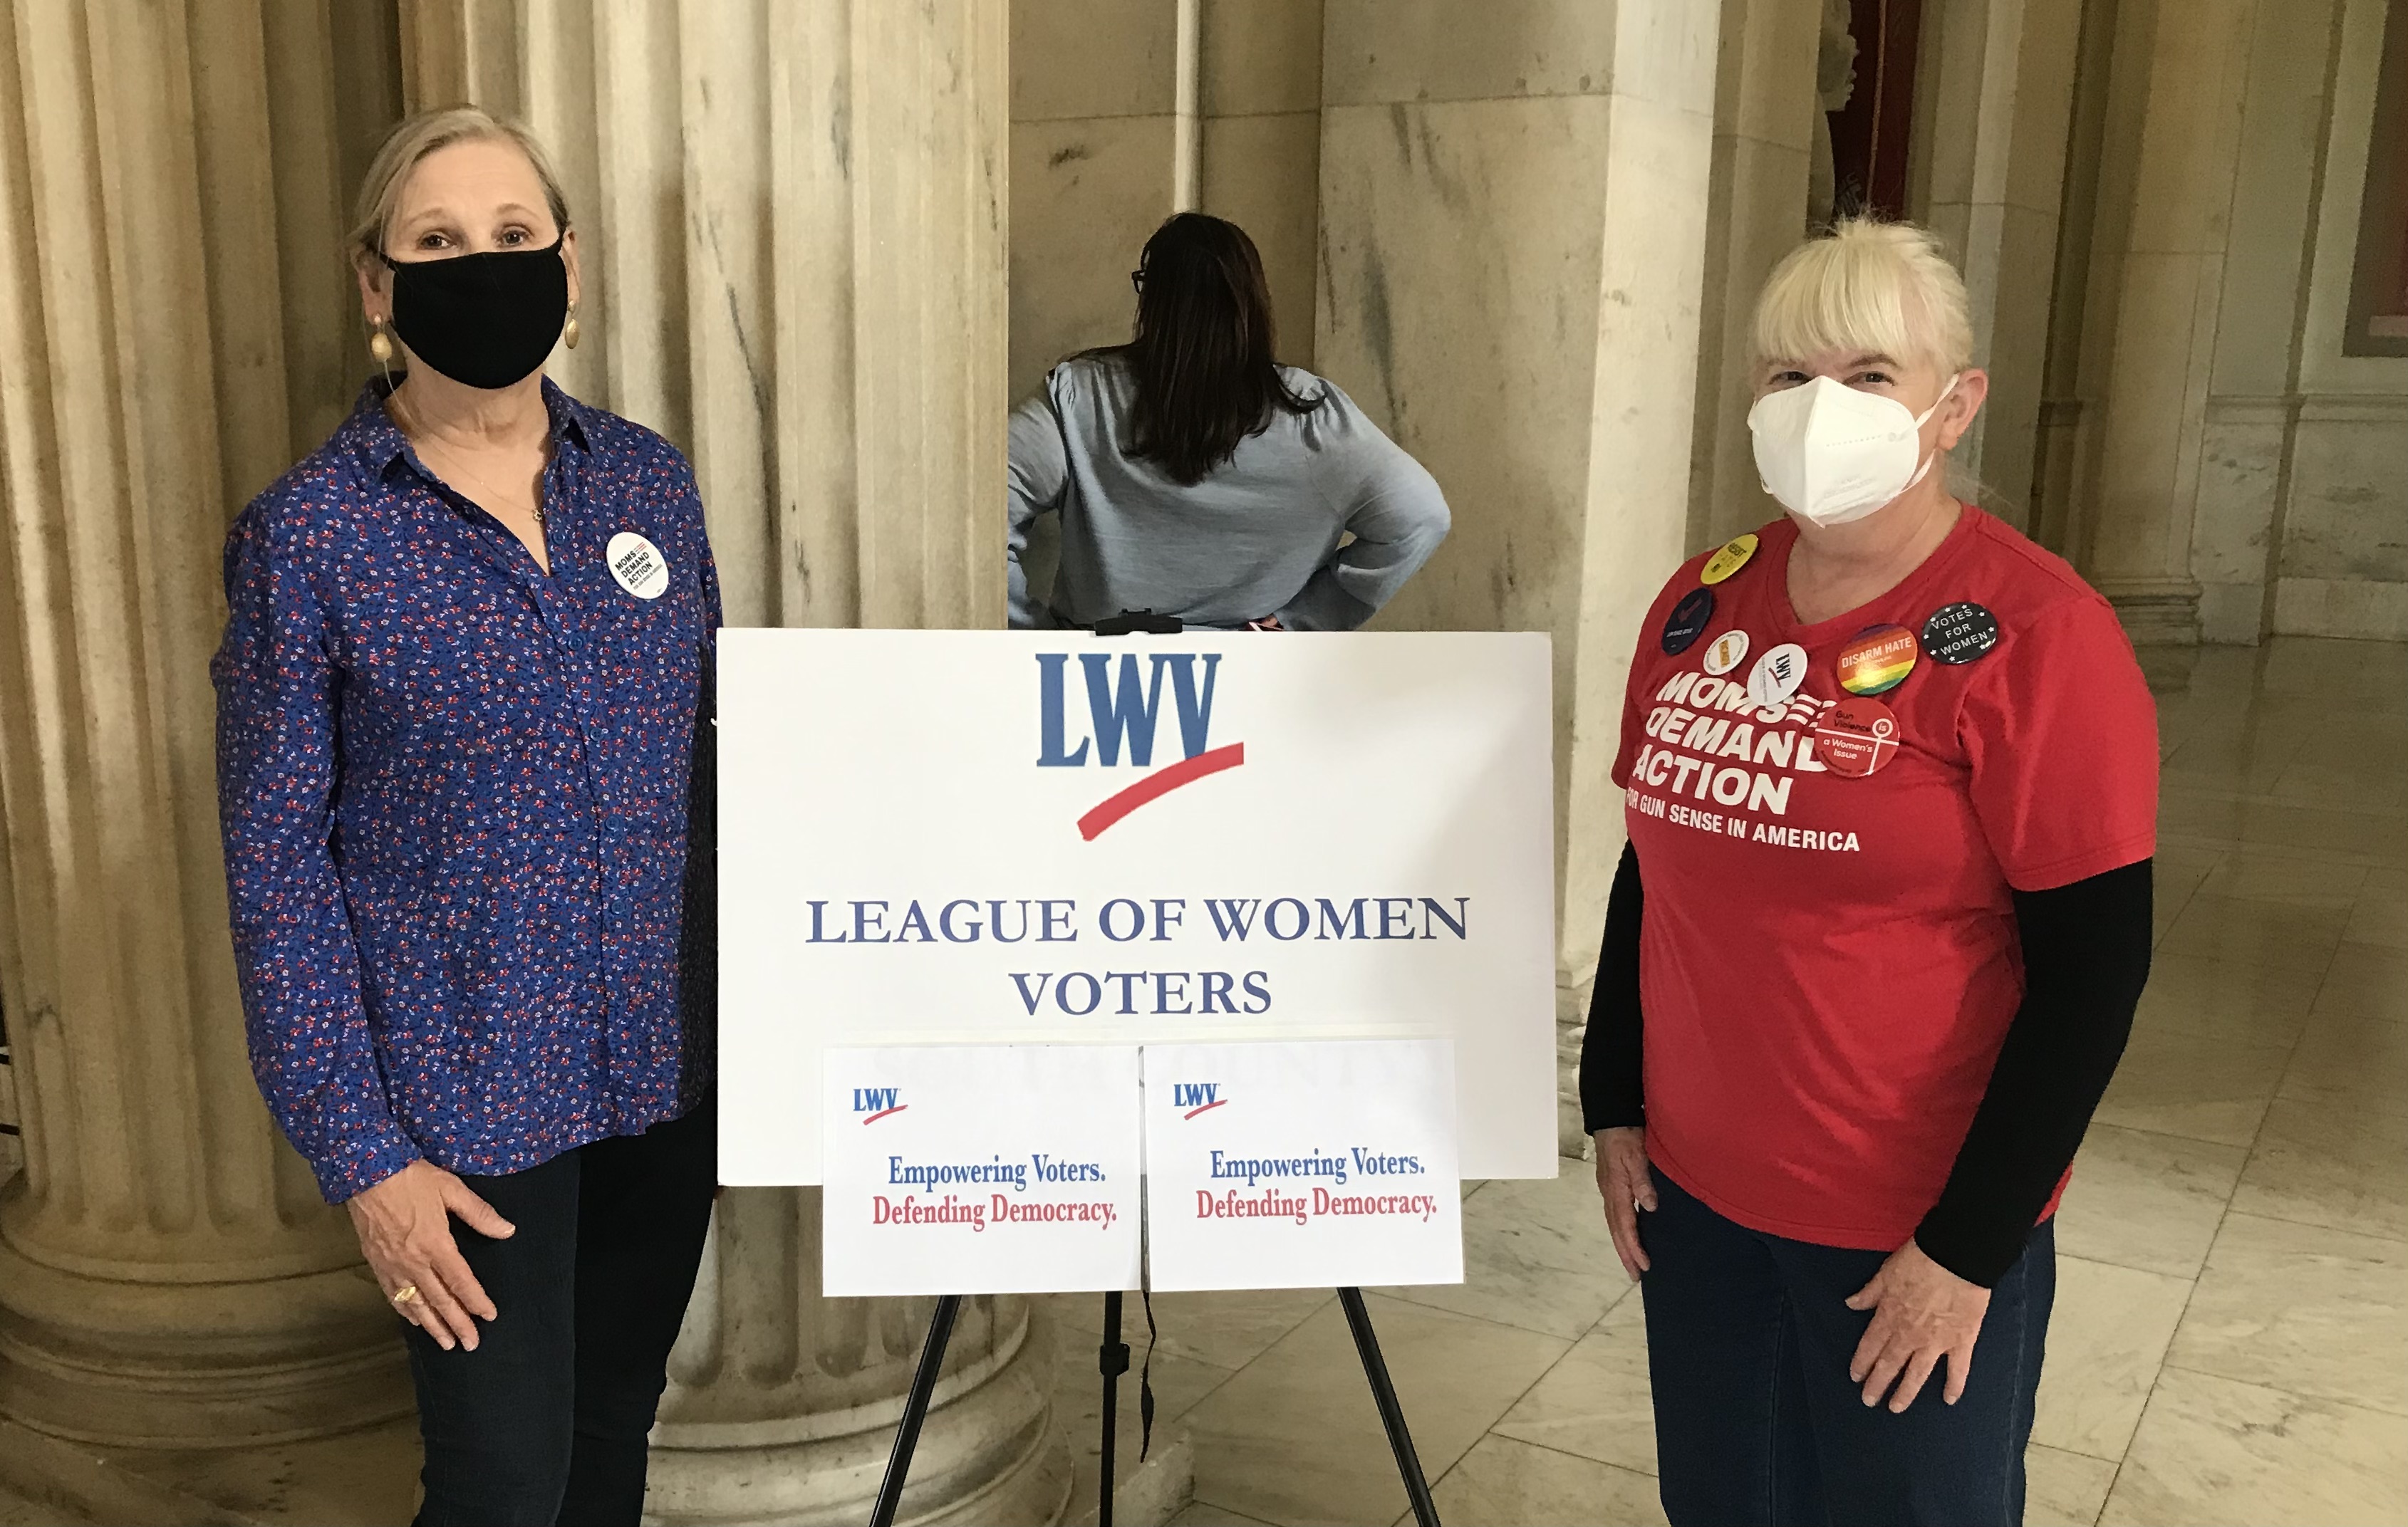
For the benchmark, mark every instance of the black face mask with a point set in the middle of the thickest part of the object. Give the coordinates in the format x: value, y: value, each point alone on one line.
x: 482, y: 319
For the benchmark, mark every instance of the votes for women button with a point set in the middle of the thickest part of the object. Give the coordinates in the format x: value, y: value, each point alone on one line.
x: 1856, y: 737
x: 1959, y: 633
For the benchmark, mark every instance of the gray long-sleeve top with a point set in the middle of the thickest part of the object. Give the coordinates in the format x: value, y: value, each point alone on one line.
x: 1261, y: 535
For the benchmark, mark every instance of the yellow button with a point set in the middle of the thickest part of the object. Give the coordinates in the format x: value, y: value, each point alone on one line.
x: 1729, y: 558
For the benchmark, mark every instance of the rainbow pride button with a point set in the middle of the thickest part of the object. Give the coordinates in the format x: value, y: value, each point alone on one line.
x: 1876, y: 659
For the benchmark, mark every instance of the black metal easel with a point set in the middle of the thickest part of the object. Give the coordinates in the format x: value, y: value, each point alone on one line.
x: 1392, y: 1415
x: 1112, y: 1360
x: 916, y: 1409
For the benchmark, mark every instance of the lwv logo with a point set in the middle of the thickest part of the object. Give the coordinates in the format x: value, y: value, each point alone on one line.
x: 1197, y: 1097
x: 1124, y: 713
x: 876, y: 1102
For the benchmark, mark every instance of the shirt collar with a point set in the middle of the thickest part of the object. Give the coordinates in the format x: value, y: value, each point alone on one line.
x: 382, y: 446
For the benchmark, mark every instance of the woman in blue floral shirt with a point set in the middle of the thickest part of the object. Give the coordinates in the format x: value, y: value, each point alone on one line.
x: 466, y: 645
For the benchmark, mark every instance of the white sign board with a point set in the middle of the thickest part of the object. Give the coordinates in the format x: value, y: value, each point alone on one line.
x: 981, y: 1169
x: 1302, y: 1166
x: 964, y: 837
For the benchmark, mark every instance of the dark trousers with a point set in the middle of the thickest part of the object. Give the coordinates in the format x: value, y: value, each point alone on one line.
x: 1748, y: 1342
x: 545, y: 1421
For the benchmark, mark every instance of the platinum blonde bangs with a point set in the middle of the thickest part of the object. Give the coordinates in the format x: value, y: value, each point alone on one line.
x: 1867, y: 286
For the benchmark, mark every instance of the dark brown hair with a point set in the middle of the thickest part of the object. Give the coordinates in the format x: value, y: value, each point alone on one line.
x: 1202, y: 356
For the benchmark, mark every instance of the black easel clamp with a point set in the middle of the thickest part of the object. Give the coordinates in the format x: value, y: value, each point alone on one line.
x: 1143, y: 623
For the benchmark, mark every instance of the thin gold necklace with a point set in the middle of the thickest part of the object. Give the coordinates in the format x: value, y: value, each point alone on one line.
x: 415, y: 435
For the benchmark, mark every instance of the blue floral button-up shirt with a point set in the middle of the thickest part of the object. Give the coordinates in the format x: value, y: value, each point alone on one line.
x: 453, y: 793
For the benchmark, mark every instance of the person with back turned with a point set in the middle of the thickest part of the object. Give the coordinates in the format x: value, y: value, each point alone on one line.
x: 1198, y: 479
x: 460, y: 697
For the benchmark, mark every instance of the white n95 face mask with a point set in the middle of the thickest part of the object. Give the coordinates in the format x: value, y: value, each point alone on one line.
x: 1831, y: 455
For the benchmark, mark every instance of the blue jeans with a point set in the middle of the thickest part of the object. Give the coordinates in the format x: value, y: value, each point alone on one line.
x: 1748, y: 1342
x: 547, y: 1420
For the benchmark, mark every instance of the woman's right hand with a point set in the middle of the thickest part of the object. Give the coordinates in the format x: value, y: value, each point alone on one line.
x: 1623, y: 1181
x: 405, y: 1230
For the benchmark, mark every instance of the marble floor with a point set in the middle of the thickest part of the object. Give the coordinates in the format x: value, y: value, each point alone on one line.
x: 23, y: 1511
x: 2230, y: 1342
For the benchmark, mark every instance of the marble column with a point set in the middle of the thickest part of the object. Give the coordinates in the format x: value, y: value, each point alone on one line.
x: 1512, y: 252
x: 1991, y: 180
x: 167, y: 1273
x: 2170, y: 144
x: 1765, y: 113
x: 793, y: 219
x: 2273, y: 514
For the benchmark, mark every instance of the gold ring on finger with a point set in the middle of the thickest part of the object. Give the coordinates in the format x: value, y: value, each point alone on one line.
x: 406, y: 1294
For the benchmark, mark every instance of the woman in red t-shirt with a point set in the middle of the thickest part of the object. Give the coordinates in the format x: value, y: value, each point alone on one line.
x: 1872, y: 949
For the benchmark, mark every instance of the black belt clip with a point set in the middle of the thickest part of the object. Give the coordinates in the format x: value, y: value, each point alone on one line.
x: 1139, y: 622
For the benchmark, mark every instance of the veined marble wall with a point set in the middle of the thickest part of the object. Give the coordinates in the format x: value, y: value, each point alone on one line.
x: 1124, y: 111
x: 1096, y: 150
x: 1512, y: 253
x: 1259, y: 92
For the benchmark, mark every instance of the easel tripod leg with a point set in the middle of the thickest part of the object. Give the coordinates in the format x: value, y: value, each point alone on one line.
x: 1112, y: 1361
x: 916, y: 1409
x: 1392, y: 1415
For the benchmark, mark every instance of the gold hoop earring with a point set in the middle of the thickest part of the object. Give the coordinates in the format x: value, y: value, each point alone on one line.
x: 569, y: 330
x: 380, y: 343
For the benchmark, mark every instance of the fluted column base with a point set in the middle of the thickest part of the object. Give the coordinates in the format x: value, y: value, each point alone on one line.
x: 185, y: 1360
x: 989, y: 1454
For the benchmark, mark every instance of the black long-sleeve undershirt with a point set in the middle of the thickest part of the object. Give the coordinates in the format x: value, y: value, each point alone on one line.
x: 2086, y: 954
x: 1609, y: 1091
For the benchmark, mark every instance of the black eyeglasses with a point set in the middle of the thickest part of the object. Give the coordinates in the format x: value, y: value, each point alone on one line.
x: 1137, y: 282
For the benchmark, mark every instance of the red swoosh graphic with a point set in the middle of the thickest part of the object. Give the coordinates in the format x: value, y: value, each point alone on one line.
x: 1207, y: 1108
x: 1159, y: 783
x: 883, y: 1113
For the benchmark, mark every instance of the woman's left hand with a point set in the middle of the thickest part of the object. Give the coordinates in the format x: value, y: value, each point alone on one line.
x: 1922, y: 1312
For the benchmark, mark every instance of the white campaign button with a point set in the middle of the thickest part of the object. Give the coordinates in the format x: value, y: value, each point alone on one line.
x: 638, y: 565
x: 1777, y: 675
x: 1724, y: 651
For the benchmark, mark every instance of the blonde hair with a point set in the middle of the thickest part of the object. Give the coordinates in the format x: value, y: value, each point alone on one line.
x: 1867, y: 285
x: 412, y: 139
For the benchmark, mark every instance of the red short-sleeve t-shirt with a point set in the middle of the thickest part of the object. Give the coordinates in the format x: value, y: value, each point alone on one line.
x: 1829, y: 959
